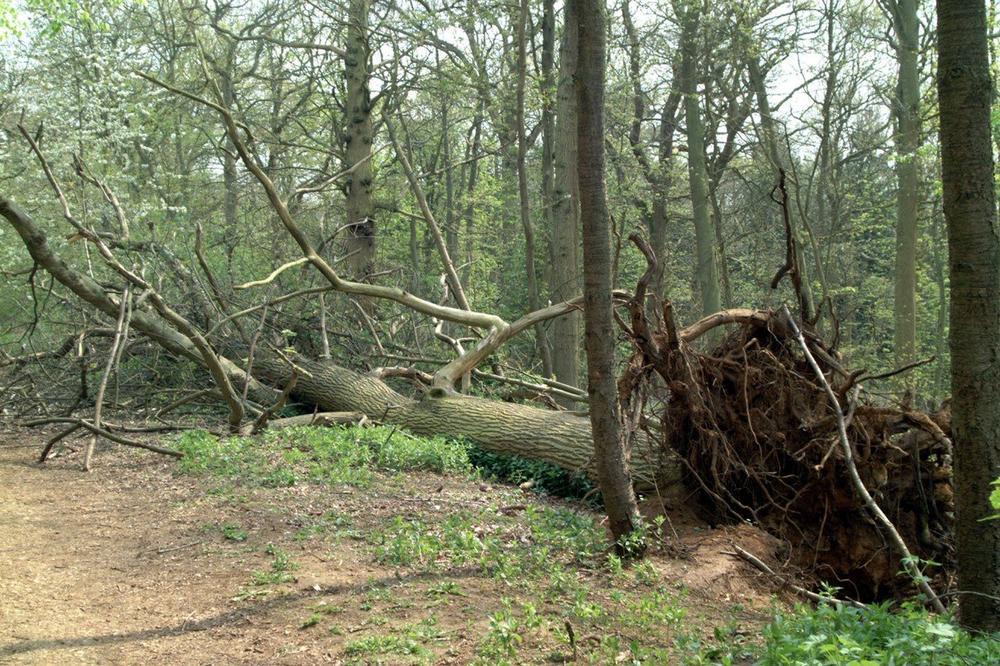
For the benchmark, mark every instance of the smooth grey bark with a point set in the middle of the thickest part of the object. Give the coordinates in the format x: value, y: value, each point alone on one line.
x: 565, y: 205
x: 524, y: 203
x: 906, y: 108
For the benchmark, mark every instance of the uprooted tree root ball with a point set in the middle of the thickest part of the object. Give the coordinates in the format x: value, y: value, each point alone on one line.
x: 759, y: 442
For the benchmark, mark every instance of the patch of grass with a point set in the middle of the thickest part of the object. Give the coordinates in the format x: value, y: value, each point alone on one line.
x: 328, y: 455
x: 446, y: 588
x: 233, y: 532
x: 506, y: 549
x: 330, y: 523
x: 655, y: 610
x: 387, y: 645
x: 569, y: 531
x: 407, y: 542
x: 319, y: 611
x: 507, y: 632
x: 406, y: 641
x: 281, y: 569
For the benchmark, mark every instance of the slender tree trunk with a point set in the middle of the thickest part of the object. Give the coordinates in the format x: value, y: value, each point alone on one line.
x: 565, y: 205
x: 706, y: 270
x: 524, y: 208
x: 358, y: 142
x: 770, y: 140
x: 965, y: 93
x: 609, y: 449
x: 658, y: 177
x: 470, y: 191
x: 906, y: 27
x: 229, y: 176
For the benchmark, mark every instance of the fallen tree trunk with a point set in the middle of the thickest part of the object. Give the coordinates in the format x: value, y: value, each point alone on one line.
x: 560, y: 438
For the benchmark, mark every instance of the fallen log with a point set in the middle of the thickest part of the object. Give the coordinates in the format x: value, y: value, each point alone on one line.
x: 560, y: 438
x: 317, y: 419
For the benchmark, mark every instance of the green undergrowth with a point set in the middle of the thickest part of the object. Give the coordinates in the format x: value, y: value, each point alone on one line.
x: 349, y: 455
x: 558, y: 593
x: 335, y: 455
x: 828, y: 634
x: 544, y: 477
x: 538, y: 544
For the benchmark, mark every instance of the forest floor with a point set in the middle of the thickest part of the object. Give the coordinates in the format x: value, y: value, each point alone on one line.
x: 138, y: 562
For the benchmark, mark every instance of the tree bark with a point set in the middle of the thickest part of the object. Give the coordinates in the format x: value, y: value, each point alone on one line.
x: 965, y: 93
x: 906, y: 27
x: 524, y: 203
x: 706, y: 270
x: 560, y: 438
x: 565, y: 206
x: 611, y: 459
x: 358, y: 142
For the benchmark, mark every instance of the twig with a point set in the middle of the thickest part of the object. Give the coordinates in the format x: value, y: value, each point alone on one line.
x: 106, y: 434
x: 262, y: 420
x: 275, y: 273
x: 909, y: 563
x: 121, y: 328
x: 752, y: 559
x: 901, y: 369
x: 56, y: 438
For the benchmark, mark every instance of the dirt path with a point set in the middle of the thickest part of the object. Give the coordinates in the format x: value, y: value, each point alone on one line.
x: 130, y: 564
x: 87, y: 574
x: 126, y: 565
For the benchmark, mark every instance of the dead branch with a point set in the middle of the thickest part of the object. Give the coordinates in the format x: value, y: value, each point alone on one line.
x: 274, y: 274
x: 106, y: 434
x: 752, y: 559
x: 121, y: 330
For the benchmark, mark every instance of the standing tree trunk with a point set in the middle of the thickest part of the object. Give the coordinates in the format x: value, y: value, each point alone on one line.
x: 524, y: 209
x: 565, y: 283
x: 599, y: 340
x: 769, y: 137
x: 706, y: 271
x: 230, y: 174
x: 358, y: 142
x: 906, y: 27
x: 658, y: 177
x: 965, y: 91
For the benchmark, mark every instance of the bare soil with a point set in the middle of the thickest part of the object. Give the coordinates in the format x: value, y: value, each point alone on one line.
x: 128, y: 564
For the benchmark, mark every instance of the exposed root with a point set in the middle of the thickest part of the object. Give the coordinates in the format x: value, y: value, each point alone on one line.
x: 759, y: 441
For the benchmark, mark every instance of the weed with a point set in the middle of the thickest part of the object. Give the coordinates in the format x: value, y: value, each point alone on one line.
x: 546, y: 477
x: 843, y: 634
x: 407, y: 641
x: 281, y: 568
x: 319, y: 611
x: 654, y: 610
x: 337, y: 455
x: 503, y: 638
x: 387, y: 645
x: 233, y: 532
x: 329, y: 524
x: 447, y: 587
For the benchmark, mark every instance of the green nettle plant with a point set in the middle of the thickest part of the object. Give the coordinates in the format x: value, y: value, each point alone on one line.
x: 995, y: 501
